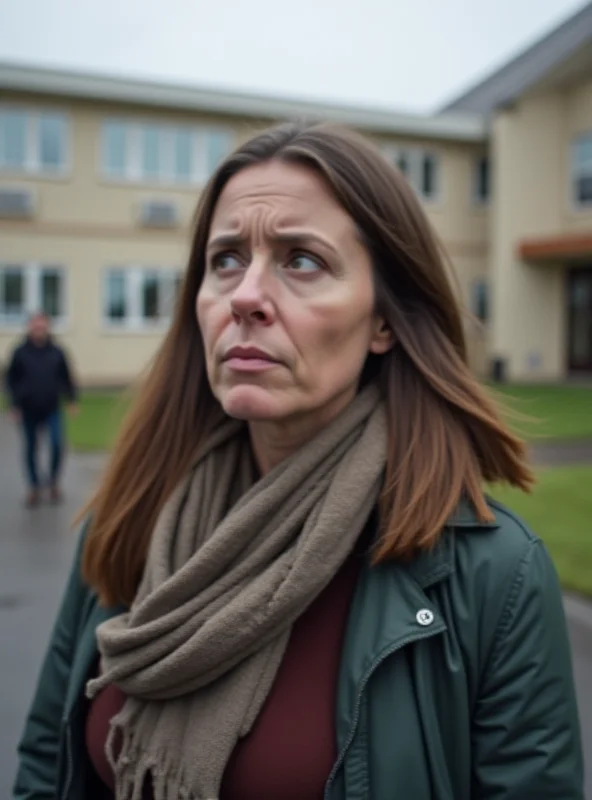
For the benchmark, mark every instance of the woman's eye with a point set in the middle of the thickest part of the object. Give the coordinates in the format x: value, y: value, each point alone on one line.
x: 224, y: 262
x: 303, y: 263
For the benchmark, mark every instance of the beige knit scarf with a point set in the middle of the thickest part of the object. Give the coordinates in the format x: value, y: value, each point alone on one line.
x: 233, y: 562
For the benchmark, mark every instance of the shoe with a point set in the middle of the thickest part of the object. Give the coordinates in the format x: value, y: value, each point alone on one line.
x: 33, y: 498
x: 55, y: 495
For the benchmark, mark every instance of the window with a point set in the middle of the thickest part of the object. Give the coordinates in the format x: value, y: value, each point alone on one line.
x: 51, y: 300
x: 183, y: 155
x: 139, y: 298
x: 420, y: 167
x: 52, y: 142
x: 161, y: 153
x: 481, y: 180
x: 151, y: 296
x: 582, y: 170
x: 428, y: 176
x: 116, y: 307
x: 27, y: 288
x: 12, y: 293
x: 115, y: 149
x: 31, y: 142
x: 480, y: 300
x: 218, y: 146
x: 153, y: 153
x: 13, y: 139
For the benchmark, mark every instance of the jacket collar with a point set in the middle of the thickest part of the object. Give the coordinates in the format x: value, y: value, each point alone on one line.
x: 434, y: 565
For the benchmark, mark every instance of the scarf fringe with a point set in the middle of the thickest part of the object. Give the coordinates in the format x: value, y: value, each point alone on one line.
x: 133, y: 769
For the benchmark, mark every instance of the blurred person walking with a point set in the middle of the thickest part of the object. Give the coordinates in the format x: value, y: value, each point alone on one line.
x: 290, y: 583
x: 37, y: 378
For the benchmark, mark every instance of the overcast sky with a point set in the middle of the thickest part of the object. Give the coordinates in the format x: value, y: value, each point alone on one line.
x: 404, y: 54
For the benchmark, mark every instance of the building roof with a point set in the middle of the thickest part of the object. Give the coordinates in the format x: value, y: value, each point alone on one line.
x: 528, y: 68
x: 461, y: 126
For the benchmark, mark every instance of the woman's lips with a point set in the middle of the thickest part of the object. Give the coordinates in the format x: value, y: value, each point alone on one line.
x: 249, y: 359
x: 241, y: 364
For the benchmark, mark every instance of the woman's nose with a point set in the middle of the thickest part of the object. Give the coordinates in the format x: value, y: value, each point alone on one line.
x: 250, y: 301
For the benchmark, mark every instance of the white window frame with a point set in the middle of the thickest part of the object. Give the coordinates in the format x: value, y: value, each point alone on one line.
x: 575, y: 173
x: 135, y: 322
x: 414, y: 156
x: 32, y: 273
x: 33, y: 165
x: 133, y: 172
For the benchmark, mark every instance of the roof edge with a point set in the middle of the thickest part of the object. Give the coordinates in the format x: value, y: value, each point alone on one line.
x: 69, y: 83
x: 527, y: 67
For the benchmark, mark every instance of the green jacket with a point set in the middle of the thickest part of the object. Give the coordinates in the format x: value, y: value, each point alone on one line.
x: 455, y: 681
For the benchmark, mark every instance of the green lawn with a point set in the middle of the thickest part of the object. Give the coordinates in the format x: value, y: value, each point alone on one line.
x: 541, y: 412
x: 560, y: 512
x: 555, y: 412
x: 95, y: 427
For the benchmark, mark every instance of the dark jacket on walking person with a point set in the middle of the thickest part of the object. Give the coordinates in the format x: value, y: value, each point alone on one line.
x: 38, y: 377
x: 291, y: 582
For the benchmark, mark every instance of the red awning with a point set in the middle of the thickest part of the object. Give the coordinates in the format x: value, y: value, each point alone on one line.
x: 556, y: 248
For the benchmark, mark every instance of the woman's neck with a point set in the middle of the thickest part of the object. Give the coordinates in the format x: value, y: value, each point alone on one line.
x: 274, y: 440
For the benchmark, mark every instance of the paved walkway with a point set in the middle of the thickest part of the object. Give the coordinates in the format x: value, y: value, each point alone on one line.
x: 36, y: 549
x: 562, y: 453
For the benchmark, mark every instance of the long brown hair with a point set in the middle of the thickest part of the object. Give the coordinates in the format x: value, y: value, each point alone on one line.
x: 446, y: 437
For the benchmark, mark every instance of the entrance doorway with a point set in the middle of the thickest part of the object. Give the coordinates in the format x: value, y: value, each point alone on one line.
x: 579, y: 298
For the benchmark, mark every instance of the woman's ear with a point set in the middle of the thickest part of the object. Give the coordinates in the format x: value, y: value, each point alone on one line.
x: 383, y: 337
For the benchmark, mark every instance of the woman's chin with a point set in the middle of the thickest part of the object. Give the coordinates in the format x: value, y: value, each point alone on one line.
x: 251, y: 403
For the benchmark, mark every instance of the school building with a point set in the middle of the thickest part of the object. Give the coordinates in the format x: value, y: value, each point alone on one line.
x: 99, y: 178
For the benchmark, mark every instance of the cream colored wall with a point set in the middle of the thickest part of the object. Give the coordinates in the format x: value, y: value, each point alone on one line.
x: 100, y: 355
x: 462, y: 226
x: 86, y: 223
x: 531, y: 147
x: 529, y: 200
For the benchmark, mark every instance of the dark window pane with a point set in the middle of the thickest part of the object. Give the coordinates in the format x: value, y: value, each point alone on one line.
x: 51, y: 293
x: 116, y: 296
x: 480, y: 300
x: 150, y: 297
x: 428, y: 176
x: 12, y: 292
x: 482, y: 180
x: 403, y: 163
x: 584, y: 189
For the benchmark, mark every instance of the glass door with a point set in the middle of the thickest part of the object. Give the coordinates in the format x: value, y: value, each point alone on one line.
x: 580, y: 319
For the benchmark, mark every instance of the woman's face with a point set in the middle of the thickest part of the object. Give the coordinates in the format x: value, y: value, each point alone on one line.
x: 286, y: 307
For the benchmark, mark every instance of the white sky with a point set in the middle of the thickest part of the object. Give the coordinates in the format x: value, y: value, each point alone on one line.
x: 404, y: 54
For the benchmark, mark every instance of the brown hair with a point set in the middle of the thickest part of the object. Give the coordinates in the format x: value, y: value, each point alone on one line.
x: 446, y: 436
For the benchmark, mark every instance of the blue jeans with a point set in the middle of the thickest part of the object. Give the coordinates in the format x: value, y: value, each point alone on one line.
x: 31, y: 428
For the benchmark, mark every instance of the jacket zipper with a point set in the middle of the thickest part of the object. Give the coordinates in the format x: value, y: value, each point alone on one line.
x: 70, y: 764
x: 356, y: 718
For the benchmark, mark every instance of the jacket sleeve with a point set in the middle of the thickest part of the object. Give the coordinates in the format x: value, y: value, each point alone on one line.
x: 67, y: 381
x: 11, y: 377
x: 39, y: 746
x: 526, y: 734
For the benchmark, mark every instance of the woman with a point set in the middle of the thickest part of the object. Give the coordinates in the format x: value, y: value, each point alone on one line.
x: 291, y: 575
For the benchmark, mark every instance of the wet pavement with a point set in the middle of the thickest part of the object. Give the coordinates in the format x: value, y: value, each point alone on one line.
x: 36, y: 548
x: 562, y: 453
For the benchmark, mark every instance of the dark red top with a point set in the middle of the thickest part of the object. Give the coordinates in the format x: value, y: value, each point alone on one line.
x: 291, y: 749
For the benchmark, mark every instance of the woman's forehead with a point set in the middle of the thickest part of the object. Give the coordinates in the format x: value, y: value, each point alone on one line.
x: 293, y: 194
